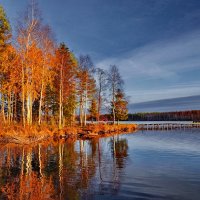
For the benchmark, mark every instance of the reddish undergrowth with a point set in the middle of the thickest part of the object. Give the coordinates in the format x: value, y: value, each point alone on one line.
x: 15, y: 133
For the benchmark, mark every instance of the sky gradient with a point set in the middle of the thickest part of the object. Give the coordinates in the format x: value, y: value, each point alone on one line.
x: 155, y: 43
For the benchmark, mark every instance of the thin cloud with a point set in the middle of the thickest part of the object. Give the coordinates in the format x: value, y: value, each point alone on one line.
x: 160, y: 59
x: 175, y: 91
x: 174, y: 104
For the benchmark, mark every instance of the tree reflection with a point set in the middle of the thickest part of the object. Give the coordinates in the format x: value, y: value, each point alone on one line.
x: 62, y: 169
x: 121, y: 152
x: 27, y: 184
x: 119, y: 149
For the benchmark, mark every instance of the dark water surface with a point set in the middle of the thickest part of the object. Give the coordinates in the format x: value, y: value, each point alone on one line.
x: 142, y: 165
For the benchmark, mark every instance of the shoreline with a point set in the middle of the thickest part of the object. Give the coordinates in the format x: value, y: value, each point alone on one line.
x: 32, y: 135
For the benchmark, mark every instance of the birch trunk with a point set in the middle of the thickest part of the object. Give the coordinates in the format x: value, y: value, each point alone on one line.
x: 29, y: 109
x: 9, y: 108
x: 113, y: 101
x: 99, y: 104
x: 61, y: 97
x: 85, y: 113
x: 81, y: 111
x: 23, y: 97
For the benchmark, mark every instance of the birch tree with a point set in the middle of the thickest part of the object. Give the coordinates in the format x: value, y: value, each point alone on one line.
x: 47, y: 71
x: 115, y: 82
x: 9, y: 82
x: 86, y: 87
x: 28, y: 40
x: 101, y: 76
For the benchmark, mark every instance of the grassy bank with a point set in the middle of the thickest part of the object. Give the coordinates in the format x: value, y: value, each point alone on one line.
x: 27, y: 135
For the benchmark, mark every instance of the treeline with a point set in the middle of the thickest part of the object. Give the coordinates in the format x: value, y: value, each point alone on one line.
x: 42, y: 82
x: 193, y: 115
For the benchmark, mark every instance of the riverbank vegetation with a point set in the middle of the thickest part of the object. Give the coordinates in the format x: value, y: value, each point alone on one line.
x: 33, y: 134
x: 44, y: 85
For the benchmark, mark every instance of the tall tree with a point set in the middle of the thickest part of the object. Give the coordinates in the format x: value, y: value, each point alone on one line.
x: 66, y: 71
x: 86, y: 86
x: 101, y: 77
x: 47, y: 71
x: 115, y: 82
x: 29, y: 28
x: 5, y: 35
x: 9, y: 81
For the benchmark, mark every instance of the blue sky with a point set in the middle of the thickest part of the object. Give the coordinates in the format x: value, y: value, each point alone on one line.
x: 155, y: 43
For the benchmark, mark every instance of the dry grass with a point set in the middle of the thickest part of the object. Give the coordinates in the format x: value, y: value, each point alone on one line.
x: 112, y: 128
x: 16, y: 133
x: 106, y: 130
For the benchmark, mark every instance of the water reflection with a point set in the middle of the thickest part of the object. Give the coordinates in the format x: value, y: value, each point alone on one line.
x: 119, y: 150
x: 146, y: 165
x: 68, y: 170
x: 21, y: 176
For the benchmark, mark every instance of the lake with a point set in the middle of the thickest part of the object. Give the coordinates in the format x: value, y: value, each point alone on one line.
x: 141, y: 165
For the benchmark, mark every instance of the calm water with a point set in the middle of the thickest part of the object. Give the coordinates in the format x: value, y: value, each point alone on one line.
x: 142, y: 165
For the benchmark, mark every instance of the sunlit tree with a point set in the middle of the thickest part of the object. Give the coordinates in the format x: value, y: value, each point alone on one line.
x: 47, y: 70
x: 86, y: 86
x: 28, y: 40
x: 65, y: 77
x: 121, y: 110
x: 5, y: 35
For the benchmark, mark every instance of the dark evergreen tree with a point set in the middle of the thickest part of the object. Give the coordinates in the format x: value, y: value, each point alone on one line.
x: 121, y: 110
x: 93, y: 110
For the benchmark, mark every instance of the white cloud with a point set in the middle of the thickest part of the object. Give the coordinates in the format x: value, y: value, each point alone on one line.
x: 166, y: 92
x: 161, y: 59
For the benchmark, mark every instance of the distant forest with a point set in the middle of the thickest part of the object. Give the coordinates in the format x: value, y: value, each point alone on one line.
x: 193, y: 115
